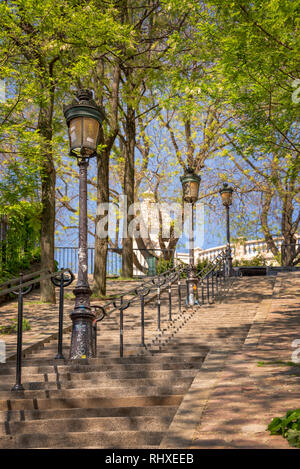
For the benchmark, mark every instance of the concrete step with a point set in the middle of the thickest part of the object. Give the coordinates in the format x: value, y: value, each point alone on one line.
x: 43, y: 403
x: 171, y: 375
x: 99, y: 360
x: 114, y: 439
x: 164, y: 411
x: 94, y: 391
x: 127, y: 367
x: 97, y: 382
x: 93, y: 424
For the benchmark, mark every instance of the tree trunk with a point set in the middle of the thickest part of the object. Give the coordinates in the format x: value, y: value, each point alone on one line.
x: 48, y: 177
x: 101, y: 244
x: 127, y: 252
x: 288, y: 248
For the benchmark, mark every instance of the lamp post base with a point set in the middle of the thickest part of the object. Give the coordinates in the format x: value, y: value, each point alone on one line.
x: 229, y: 269
x: 192, y: 287
x: 82, y: 341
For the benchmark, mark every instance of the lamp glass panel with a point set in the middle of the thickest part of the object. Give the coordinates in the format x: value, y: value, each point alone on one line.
x: 226, y: 198
x: 190, y: 190
x: 90, y: 133
x: 194, y: 188
x: 75, y: 133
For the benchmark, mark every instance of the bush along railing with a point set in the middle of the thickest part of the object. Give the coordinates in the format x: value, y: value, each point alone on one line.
x: 212, y: 283
x: 20, y: 287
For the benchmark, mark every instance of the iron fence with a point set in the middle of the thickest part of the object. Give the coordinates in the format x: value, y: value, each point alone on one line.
x: 68, y: 257
x: 148, y: 259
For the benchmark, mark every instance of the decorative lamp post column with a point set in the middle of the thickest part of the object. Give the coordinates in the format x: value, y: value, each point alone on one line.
x: 226, y: 194
x: 84, y: 119
x: 190, y: 186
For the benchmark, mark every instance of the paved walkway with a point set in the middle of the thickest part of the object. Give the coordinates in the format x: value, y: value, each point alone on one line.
x: 245, y: 397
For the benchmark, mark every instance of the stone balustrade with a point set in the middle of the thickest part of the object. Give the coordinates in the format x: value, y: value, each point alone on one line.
x: 240, y: 250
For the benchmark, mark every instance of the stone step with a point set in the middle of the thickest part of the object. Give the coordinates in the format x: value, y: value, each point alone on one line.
x: 126, y: 367
x: 41, y: 403
x: 102, y: 375
x: 85, y: 424
x: 114, y: 439
x: 94, y: 391
x: 97, y: 382
x: 165, y: 411
x: 201, y: 352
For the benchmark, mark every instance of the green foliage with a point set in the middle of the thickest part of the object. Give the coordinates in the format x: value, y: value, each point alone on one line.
x: 21, y: 247
x: 164, y: 265
x: 13, y: 327
x: 287, y: 426
x: 277, y: 362
x: 258, y: 261
x: 204, y: 266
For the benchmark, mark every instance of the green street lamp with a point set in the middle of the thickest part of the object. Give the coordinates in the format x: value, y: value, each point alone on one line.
x: 190, y: 185
x: 190, y: 188
x: 226, y: 195
x: 84, y: 119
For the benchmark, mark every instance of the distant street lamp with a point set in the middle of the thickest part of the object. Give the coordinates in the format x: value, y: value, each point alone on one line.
x: 84, y: 119
x: 190, y: 186
x: 226, y: 194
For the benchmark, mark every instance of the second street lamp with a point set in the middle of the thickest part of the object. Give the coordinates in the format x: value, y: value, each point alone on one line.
x: 190, y: 186
x: 226, y: 194
x: 84, y: 119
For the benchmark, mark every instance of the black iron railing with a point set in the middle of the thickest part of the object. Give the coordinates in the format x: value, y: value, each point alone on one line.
x: 169, y: 286
x: 20, y: 287
x: 211, y: 283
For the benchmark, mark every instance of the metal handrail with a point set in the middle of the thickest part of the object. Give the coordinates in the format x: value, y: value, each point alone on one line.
x: 35, y: 280
x: 25, y: 277
x: 147, y: 284
x: 161, y: 282
x: 22, y: 289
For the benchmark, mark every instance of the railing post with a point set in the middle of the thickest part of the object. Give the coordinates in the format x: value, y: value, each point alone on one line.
x: 179, y: 293
x: 18, y: 386
x: 59, y: 355
x: 61, y: 282
x: 212, y: 286
x: 170, y: 301
x: 202, y: 291
x: 142, y: 321
x: 121, y: 328
x: 95, y: 336
x: 158, y: 307
x: 207, y: 287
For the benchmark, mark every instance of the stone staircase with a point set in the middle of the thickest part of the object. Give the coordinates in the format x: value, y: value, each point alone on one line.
x: 113, y: 402
x: 101, y: 402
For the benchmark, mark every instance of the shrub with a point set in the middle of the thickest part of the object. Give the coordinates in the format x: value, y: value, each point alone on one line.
x: 257, y: 261
x: 287, y: 426
x: 204, y: 266
x: 13, y: 327
x: 164, y: 265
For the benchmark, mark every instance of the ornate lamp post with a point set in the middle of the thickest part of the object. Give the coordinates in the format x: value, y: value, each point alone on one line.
x: 84, y: 119
x: 226, y: 194
x: 190, y: 186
